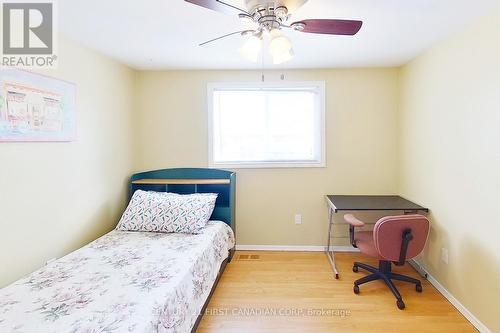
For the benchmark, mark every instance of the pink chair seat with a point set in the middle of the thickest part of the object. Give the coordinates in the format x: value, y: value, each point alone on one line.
x: 366, y: 244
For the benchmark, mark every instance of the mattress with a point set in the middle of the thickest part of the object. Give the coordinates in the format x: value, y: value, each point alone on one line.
x: 121, y: 282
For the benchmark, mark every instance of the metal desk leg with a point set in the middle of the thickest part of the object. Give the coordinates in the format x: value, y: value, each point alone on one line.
x: 329, y: 253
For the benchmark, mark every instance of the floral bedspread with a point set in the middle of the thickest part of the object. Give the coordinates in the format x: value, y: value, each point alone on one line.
x: 121, y: 282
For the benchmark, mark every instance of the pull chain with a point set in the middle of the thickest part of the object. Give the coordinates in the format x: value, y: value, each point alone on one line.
x: 262, y: 63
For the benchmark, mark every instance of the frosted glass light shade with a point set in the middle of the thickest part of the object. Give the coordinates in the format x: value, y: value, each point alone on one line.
x: 251, y: 49
x: 280, y: 47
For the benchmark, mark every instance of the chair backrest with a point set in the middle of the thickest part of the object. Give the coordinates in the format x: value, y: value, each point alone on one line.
x: 388, y: 235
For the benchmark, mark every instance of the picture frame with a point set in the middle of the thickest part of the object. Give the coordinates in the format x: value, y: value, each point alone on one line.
x: 36, y: 108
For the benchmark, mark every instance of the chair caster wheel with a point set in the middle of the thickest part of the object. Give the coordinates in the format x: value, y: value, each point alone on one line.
x: 400, y: 304
x: 355, y: 269
x: 418, y: 288
x: 356, y: 289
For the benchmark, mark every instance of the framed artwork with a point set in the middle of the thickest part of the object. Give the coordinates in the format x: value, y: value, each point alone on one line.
x: 35, y: 107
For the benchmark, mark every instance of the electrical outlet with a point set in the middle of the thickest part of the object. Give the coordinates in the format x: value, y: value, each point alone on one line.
x: 444, y: 255
x: 298, y: 219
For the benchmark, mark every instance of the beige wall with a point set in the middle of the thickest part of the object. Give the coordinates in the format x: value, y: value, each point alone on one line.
x: 361, y: 147
x: 55, y: 197
x: 450, y: 161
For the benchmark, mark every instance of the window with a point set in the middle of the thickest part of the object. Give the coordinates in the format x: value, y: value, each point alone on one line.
x: 266, y: 125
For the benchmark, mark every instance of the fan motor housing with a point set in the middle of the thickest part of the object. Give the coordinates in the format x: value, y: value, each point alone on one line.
x: 268, y: 14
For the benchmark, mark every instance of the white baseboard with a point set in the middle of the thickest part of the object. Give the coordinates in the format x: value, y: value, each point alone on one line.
x: 455, y: 302
x: 294, y: 248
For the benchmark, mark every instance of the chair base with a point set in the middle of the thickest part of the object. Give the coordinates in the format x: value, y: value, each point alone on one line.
x: 383, y: 272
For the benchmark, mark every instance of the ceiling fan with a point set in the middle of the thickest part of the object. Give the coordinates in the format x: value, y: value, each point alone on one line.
x: 269, y: 17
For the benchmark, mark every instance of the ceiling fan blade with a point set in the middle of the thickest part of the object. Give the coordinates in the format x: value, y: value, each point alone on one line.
x: 243, y: 32
x: 329, y: 27
x: 218, y: 6
x: 291, y: 5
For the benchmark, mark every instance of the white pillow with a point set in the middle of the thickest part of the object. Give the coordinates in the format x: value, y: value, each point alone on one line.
x: 167, y: 212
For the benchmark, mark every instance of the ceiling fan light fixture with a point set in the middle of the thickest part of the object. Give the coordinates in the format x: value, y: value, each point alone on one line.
x: 252, y: 48
x: 264, y: 17
x: 283, y: 57
x: 280, y: 47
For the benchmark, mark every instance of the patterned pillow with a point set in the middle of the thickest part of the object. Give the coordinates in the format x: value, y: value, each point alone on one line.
x: 167, y: 212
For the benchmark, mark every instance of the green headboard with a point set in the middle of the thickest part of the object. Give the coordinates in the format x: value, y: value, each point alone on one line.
x: 193, y: 180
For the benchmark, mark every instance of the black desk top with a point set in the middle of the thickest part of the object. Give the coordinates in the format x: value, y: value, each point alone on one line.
x: 372, y: 202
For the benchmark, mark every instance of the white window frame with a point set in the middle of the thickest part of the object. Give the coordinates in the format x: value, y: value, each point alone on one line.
x: 319, y: 85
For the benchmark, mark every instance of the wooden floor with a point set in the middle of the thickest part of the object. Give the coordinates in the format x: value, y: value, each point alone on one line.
x: 296, y: 292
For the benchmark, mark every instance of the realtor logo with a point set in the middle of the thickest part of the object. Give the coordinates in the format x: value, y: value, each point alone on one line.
x: 28, y: 34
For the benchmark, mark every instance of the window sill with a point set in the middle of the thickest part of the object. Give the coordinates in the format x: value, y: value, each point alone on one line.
x: 278, y: 165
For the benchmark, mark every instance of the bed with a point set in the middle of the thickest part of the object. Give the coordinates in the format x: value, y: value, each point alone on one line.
x: 132, y: 281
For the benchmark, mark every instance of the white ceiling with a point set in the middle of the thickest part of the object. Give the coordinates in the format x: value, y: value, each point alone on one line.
x: 164, y: 34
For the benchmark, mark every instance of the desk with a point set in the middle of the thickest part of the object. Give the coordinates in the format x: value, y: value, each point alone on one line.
x: 339, y: 203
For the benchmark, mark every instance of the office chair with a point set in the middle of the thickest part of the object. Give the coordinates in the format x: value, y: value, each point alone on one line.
x: 394, y: 239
